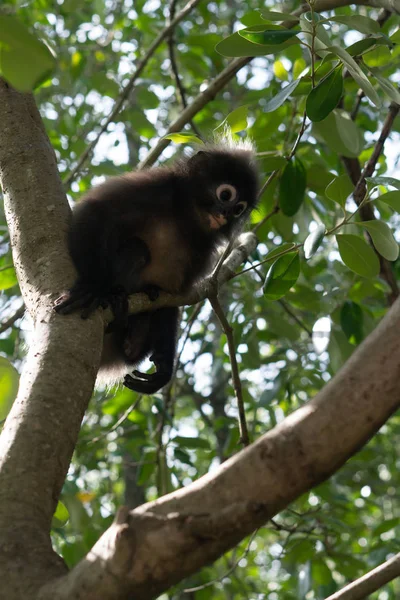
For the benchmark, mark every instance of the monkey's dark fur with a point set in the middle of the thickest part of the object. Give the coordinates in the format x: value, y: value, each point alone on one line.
x: 154, y: 230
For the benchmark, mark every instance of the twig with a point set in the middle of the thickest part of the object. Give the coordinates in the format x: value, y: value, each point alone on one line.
x: 192, y: 109
x: 205, y: 585
x: 370, y: 582
x: 300, y: 135
x: 353, y: 168
x: 174, y: 67
x: 267, y: 217
x: 299, y: 322
x: 11, y: 320
x: 354, y: 112
x: 237, y: 385
x: 129, y: 86
x: 359, y: 191
x: 118, y: 423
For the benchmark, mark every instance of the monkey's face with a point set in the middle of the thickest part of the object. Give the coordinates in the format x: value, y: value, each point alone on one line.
x: 224, y: 184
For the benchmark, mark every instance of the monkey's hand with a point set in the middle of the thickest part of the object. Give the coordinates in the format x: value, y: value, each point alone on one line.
x: 150, y: 383
x: 82, y: 296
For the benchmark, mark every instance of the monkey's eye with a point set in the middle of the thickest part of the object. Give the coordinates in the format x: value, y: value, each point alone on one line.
x: 226, y: 192
x: 239, y: 209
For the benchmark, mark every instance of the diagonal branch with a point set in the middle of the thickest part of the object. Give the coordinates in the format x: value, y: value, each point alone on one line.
x: 129, y: 86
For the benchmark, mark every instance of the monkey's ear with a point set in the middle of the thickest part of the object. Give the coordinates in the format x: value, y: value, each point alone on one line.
x: 198, y: 158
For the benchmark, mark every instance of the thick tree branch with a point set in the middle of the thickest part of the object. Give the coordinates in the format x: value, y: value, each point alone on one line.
x: 174, y: 536
x: 40, y: 433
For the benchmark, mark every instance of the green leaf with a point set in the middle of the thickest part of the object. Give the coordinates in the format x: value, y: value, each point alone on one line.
x: 382, y: 237
x: 379, y: 56
x: 381, y: 180
x: 280, y: 71
x: 183, y: 138
x: 280, y: 98
x: 8, y: 277
x: 358, y: 22
x: 392, y: 199
x: 340, y: 189
x: 267, y: 37
x: 325, y: 96
x: 358, y: 255
x: 9, y: 380
x: 24, y: 60
x: 395, y: 37
x: 361, y: 46
x: 235, y: 121
x: 281, y: 276
x: 292, y: 187
x: 351, y: 321
x: 386, y: 86
x: 386, y: 526
x: 61, y: 516
x: 191, y: 442
x: 183, y: 456
x: 236, y: 45
x: 357, y: 74
x: 273, y: 15
x: 313, y: 241
x: 321, y: 41
x: 348, y: 131
x: 340, y: 133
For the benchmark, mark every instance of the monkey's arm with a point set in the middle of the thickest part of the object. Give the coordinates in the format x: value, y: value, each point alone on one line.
x: 162, y: 338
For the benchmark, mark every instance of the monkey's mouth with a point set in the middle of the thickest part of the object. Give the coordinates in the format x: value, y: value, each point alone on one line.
x: 216, y: 221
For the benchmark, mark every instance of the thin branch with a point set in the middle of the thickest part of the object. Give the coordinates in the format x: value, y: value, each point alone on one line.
x: 237, y: 385
x: 129, y: 86
x: 122, y: 418
x: 359, y: 191
x: 299, y: 322
x: 353, y: 168
x: 370, y: 582
x: 198, y: 103
x: 181, y: 92
x: 234, y: 66
x: 11, y: 320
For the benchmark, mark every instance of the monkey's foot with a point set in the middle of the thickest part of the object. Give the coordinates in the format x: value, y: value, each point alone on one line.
x: 82, y: 297
x: 79, y: 297
x: 149, y: 383
x: 152, y: 292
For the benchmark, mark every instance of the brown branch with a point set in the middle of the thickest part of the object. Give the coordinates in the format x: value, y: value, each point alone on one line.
x: 234, y: 66
x: 181, y: 92
x: 353, y: 168
x: 129, y: 86
x: 293, y: 315
x: 237, y: 384
x: 11, y: 320
x: 192, y: 109
x: 370, y: 582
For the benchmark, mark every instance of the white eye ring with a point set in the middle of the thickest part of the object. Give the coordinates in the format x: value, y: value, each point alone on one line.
x: 239, y: 209
x: 226, y: 192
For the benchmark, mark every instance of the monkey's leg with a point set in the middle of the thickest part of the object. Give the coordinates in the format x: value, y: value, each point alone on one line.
x: 163, y: 329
